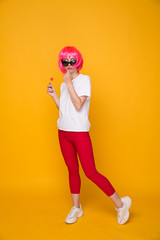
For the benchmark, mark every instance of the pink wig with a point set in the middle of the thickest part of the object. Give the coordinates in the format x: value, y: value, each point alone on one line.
x: 70, y: 51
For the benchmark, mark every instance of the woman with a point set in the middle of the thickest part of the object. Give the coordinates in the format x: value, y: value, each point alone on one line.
x: 73, y: 133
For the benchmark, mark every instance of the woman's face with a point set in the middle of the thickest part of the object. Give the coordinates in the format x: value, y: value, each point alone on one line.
x: 70, y: 68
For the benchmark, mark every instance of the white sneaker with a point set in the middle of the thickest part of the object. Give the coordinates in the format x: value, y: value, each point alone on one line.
x: 123, y: 213
x: 74, y: 214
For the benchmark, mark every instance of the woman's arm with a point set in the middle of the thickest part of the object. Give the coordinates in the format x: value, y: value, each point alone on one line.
x: 56, y: 100
x: 76, y: 100
x: 52, y: 92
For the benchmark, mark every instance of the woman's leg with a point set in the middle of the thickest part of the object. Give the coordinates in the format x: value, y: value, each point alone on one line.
x: 75, y: 199
x: 70, y: 157
x: 116, y: 199
x: 84, y: 148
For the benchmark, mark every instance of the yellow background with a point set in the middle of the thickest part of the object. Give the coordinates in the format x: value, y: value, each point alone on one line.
x: 119, y: 41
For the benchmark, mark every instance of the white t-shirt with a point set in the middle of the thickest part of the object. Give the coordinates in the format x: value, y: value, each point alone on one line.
x: 71, y: 119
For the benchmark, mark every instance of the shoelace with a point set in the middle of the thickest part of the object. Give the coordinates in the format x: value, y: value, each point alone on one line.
x: 72, y: 212
x: 121, y: 213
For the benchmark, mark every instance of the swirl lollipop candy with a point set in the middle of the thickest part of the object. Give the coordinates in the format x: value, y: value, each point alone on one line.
x: 50, y: 84
x: 51, y: 80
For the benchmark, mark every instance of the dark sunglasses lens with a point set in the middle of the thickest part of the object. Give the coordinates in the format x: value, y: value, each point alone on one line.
x: 65, y: 63
x: 73, y: 61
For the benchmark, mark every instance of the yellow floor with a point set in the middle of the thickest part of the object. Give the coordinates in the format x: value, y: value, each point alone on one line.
x: 27, y: 216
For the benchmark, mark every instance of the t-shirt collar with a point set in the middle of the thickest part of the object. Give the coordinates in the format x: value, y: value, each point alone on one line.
x: 76, y: 77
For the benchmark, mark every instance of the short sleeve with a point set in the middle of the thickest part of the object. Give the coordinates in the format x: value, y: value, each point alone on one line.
x: 84, y: 86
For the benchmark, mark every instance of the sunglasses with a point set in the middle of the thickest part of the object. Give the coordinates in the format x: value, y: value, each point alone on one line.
x: 65, y: 62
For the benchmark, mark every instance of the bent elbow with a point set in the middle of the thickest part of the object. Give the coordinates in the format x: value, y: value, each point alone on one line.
x: 78, y: 108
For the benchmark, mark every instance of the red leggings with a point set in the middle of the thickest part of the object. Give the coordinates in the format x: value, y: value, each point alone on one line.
x: 72, y: 143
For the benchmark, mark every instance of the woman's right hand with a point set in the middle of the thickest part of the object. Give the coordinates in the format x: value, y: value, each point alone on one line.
x: 51, y: 91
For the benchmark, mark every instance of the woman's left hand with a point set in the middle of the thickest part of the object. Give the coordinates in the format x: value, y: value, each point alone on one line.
x: 67, y: 78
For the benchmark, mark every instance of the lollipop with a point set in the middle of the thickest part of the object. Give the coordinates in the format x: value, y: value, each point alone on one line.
x: 51, y: 78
